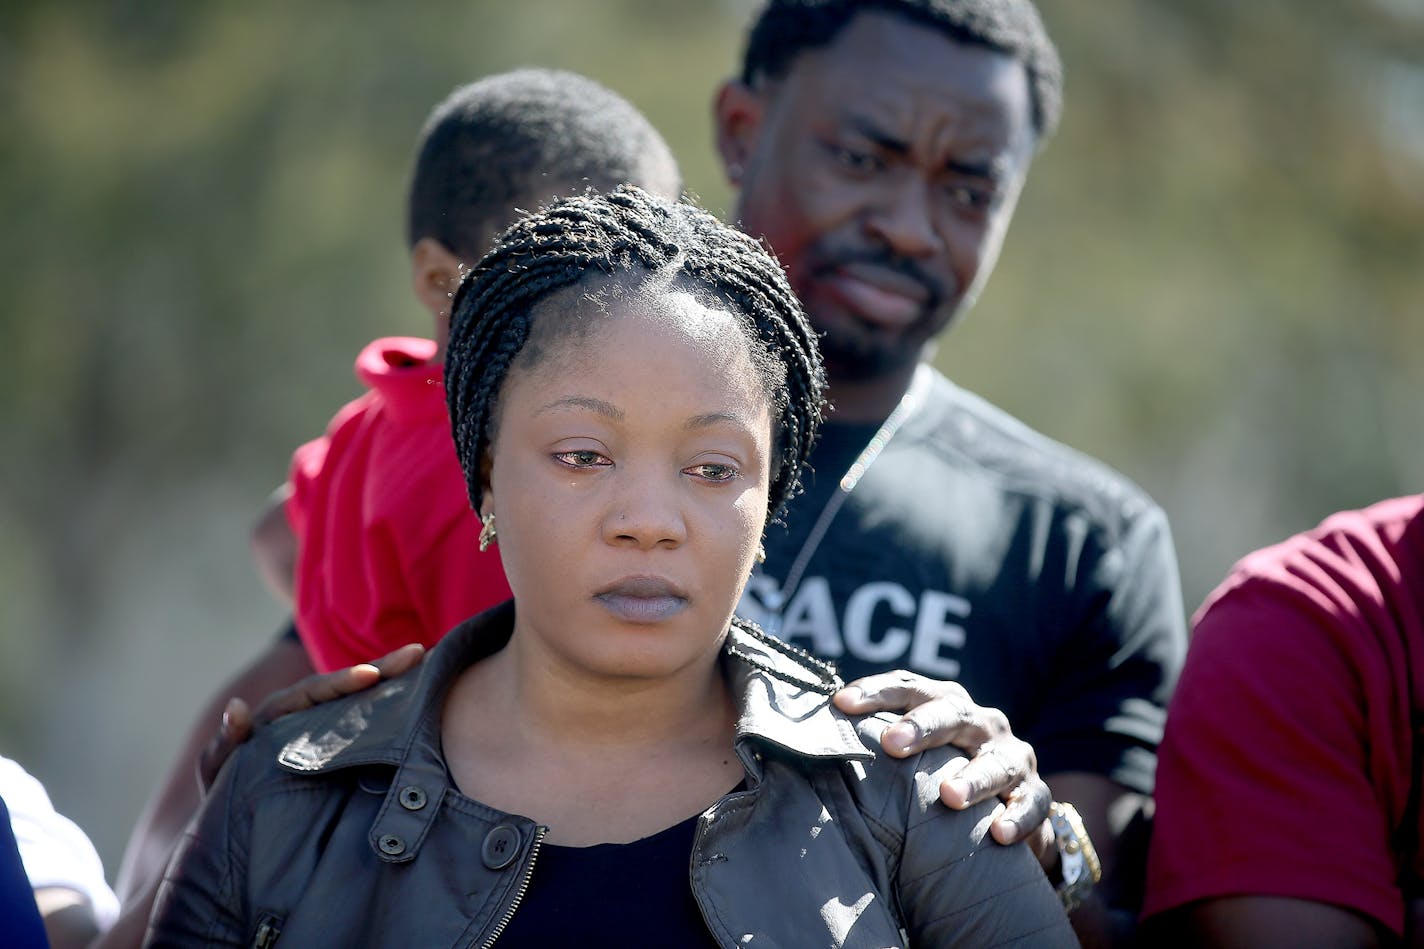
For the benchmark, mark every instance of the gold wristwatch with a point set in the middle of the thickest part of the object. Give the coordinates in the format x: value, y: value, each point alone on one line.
x: 1078, y: 861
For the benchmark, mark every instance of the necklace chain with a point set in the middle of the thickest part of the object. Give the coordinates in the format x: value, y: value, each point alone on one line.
x: 908, y: 403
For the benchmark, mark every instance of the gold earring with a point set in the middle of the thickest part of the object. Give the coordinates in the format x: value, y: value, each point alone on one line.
x: 487, y: 534
x: 761, y: 553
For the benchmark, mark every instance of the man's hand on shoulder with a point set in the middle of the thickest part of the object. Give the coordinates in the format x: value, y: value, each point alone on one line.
x: 239, y: 720
x: 999, y: 764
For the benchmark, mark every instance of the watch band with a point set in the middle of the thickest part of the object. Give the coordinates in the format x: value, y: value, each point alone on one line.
x: 1077, y: 858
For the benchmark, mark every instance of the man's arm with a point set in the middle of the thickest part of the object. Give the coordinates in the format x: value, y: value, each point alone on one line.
x: 1268, y: 795
x: 1106, y: 808
x: 1247, y: 922
x: 274, y: 546
x: 68, y: 915
x: 177, y: 797
x: 1102, y: 713
x: 276, y: 683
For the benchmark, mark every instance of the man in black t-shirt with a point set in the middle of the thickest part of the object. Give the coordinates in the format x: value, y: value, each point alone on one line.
x: 976, y: 550
x: 879, y: 148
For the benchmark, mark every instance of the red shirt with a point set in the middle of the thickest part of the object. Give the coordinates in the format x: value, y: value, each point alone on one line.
x: 1285, y: 766
x: 388, y: 547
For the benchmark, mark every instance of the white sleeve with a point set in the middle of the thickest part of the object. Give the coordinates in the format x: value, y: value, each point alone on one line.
x: 56, y: 853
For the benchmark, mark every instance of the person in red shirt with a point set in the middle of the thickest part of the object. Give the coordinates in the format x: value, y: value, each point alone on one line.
x: 389, y: 550
x: 1288, y: 779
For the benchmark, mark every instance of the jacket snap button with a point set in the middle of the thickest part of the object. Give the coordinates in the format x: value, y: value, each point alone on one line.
x: 501, y: 846
x: 412, y: 798
x: 391, y: 844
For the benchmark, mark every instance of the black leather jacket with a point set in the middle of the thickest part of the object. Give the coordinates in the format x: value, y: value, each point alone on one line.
x: 340, y: 827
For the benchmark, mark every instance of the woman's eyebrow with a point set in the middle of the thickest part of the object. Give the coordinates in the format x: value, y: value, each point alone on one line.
x: 585, y: 402
x: 714, y: 418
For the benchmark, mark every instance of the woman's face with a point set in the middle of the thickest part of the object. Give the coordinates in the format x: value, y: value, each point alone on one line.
x: 629, y: 481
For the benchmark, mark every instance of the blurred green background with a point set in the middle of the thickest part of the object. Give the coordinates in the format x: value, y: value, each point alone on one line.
x: 1215, y: 283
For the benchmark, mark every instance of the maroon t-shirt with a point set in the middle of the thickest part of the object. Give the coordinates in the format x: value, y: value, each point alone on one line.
x: 1286, y: 763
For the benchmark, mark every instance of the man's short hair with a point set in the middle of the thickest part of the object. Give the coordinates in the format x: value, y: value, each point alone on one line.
x: 498, y: 142
x: 786, y: 28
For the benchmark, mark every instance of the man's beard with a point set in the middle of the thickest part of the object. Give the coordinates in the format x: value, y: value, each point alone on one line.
x: 861, y: 357
x: 859, y: 352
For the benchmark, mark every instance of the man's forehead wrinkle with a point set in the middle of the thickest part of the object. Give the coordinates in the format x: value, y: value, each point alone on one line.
x: 852, y: 117
x: 860, y: 70
x: 997, y: 168
x: 956, y: 143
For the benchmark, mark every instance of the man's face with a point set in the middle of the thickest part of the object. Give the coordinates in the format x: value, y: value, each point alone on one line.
x: 883, y: 170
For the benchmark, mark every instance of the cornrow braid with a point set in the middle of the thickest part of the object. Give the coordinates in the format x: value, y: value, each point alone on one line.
x: 629, y: 232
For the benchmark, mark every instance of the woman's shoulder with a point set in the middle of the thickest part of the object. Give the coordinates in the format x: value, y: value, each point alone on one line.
x: 952, y: 879
x: 350, y: 732
x: 955, y: 883
x: 905, y: 791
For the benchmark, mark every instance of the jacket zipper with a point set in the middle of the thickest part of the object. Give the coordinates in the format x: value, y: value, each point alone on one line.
x: 702, y: 825
x: 269, y: 928
x: 523, y: 888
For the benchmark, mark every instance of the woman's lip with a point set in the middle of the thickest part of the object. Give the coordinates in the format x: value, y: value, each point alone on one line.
x: 647, y: 586
x: 642, y: 599
x: 642, y: 609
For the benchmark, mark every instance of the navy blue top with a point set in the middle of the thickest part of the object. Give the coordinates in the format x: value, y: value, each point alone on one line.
x: 612, y: 895
x: 20, y: 922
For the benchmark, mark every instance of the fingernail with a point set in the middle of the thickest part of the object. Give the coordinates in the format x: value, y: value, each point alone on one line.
x: 853, y: 693
x: 904, y: 735
x: 228, y: 712
x: 1005, y: 829
x: 960, y: 787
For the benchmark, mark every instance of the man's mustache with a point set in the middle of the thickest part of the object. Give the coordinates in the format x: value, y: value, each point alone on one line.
x: 934, y: 290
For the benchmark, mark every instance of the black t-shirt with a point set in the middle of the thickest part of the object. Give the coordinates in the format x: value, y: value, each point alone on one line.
x: 976, y: 549
x: 612, y: 895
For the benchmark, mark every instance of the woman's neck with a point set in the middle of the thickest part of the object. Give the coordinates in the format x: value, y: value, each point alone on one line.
x: 596, y: 760
x: 539, y: 697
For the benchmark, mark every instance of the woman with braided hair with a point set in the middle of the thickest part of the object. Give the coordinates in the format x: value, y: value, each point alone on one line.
x: 610, y: 758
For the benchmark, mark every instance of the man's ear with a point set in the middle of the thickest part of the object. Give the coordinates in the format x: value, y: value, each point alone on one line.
x: 435, y: 272
x: 737, y: 110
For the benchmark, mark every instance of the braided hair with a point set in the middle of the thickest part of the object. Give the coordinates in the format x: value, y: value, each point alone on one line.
x: 628, y: 234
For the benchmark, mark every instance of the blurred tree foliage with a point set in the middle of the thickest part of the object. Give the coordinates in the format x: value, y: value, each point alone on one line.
x: 1214, y: 283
